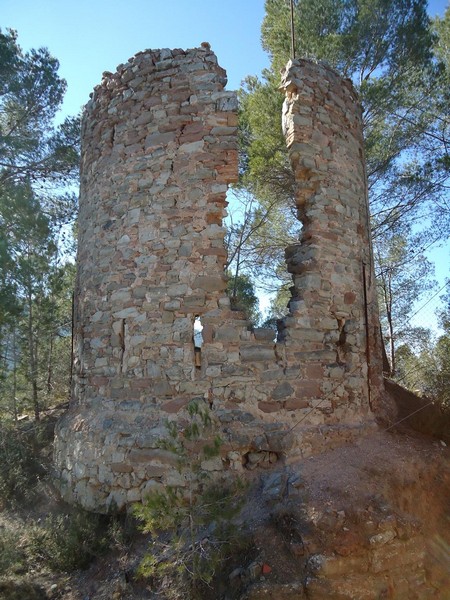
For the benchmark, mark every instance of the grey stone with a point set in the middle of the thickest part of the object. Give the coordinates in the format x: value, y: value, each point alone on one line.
x: 282, y: 390
x: 256, y: 353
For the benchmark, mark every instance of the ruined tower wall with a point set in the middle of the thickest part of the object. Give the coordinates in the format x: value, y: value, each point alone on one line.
x: 151, y: 247
x: 159, y: 150
x: 333, y: 311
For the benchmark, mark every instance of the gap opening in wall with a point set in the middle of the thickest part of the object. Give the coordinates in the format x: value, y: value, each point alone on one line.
x: 257, y: 234
x: 198, y: 341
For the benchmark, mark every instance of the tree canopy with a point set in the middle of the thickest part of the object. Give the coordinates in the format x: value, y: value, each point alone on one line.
x: 31, y: 93
x: 395, y: 59
x: 398, y: 60
x: 38, y: 171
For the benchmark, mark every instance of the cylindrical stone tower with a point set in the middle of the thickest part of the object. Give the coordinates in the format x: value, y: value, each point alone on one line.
x: 159, y: 149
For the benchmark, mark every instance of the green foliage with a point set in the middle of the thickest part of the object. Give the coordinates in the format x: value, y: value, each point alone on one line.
x: 68, y: 542
x: 38, y: 164
x: 35, y: 357
x: 354, y: 36
x: 19, y: 467
x: 257, y: 235
x: 191, y: 536
x: 403, y: 276
x: 31, y: 92
x: 386, y: 48
x: 425, y: 366
x: 278, y: 307
x: 16, y: 589
x: 399, y: 62
x: 437, y: 375
x: 58, y: 543
x: 436, y: 358
x: 242, y: 296
x: 12, y: 557
x: 191, y: 528
x: 441, y: 27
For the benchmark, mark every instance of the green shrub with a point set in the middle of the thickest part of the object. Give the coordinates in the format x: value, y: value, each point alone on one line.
x: 192, y: 528
x: 121, y: 532
x: 19, y: 467
x: 12, y: 558
x: 68, y: 542
x: 12, y: 589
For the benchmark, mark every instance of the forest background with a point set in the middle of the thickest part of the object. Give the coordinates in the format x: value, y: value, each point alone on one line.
x: 398, y: 59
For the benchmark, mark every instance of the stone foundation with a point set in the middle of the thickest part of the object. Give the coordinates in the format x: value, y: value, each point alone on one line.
x: 159, y: 151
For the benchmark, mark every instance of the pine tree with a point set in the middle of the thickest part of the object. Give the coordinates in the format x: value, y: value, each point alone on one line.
x: 398, y: 60
x: 38, y: 168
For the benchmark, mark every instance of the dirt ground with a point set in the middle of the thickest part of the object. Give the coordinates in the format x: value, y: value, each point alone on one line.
x: 401, y: 469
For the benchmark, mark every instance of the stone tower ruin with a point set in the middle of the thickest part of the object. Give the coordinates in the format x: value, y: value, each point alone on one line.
x: 159, y: 152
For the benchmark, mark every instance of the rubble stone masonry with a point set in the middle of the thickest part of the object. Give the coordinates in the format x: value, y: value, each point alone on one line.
x: 159, y: 152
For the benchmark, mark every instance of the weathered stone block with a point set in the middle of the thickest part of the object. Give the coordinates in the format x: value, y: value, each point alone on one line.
x: 256, y: 353
x: 209, y: 284
x: 282, y: 390
x: 121, y: 468
x: 226, y: 334
x: 269, y: 407
x: 158, y: 456
x: 296, y: 403
x: 264, y: 334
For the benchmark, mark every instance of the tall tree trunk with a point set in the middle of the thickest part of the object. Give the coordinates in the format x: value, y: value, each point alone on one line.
x: 236, y: 275
x: 33, y: 360
x: 50, y: 365
x: 14, y: 390
x: 391, y: 329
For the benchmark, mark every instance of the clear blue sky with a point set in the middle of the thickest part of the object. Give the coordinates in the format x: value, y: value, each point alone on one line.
x: 92, y: 36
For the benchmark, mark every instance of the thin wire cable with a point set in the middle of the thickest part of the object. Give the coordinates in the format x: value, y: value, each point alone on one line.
x: 408, y: 416
x: 292, y: 31
x: 430, y: 299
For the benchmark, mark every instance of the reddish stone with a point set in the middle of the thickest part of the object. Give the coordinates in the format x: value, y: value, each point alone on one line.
x: 269, y: 407
x: 295, y: 403
x: 141, y: 384
x: 314, y: 371
x: 309, y: 389
x: 99, y: 380
x: 349, y: 297
x: 348, y: 543
x: 266, y: 569
x: 139, y: 456
x: 214, y: 218
x: 330, y: 236
x: 193, y: 137
x: 194, y: 127
x: 209, y: 283
x: 213, y: 251
x: 173, y: 406
x: 207, y: 333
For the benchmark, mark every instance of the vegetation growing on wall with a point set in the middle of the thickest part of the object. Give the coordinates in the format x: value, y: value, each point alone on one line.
x: 191, y: 526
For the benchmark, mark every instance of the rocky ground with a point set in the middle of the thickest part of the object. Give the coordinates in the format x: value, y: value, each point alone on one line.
x: 368, y: 520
